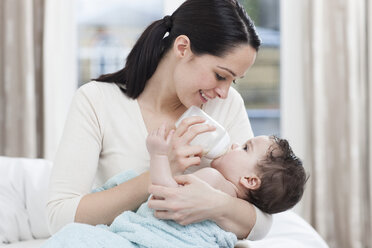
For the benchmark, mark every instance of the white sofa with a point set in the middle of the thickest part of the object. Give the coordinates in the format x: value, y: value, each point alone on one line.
x: 23, y: 223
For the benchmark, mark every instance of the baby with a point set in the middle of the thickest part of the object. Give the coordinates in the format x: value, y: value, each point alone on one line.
x: 263, y: 171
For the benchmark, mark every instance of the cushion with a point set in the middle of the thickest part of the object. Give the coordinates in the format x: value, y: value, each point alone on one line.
x: 23, y: 196
x: 289, y: 230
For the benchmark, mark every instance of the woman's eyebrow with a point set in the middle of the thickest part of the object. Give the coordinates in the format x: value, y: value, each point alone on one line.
x: 227, y: 69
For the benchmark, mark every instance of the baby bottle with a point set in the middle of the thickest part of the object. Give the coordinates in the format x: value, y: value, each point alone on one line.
x: 215, y: 143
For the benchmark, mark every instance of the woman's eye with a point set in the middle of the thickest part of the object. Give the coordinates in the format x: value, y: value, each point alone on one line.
x: 245, y: 147
x: 219, y: 77
x: 234, y: 81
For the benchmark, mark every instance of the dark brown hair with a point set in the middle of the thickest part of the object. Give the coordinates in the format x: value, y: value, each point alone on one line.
x: 282, y: 178
x: 214, y: 27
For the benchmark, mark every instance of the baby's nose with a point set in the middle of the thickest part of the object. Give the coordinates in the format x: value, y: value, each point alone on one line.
x: 234, y: 146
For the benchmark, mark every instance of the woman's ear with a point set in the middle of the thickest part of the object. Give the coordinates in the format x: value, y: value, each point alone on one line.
x: 250, y: 182
x: 182, y: 46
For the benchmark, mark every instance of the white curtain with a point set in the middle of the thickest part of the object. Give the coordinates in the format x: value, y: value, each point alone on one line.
x: 21, y: 82
x: 327, y: 112
x: 37, y: 74
x: 60, y: 68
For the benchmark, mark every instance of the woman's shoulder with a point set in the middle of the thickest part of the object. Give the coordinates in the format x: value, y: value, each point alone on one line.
x: 93, y: 87
x: 95, y: 90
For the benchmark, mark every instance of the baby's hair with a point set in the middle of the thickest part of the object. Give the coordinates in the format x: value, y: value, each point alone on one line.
x: 283, y: 179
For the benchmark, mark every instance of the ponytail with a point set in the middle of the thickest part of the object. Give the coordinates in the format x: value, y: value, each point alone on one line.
x: 142, y: 60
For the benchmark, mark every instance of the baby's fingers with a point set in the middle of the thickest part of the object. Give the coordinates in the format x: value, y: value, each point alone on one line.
x: 161, y: 130
x: 152, y: 133
x: 170, y: 135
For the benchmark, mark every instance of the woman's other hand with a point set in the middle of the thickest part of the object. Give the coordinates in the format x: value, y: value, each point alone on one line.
x: 181, y: 154
x: 192, y: 202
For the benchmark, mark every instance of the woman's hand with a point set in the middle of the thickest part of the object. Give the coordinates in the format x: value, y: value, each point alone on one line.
x: 195, y: 201
x: 181, y: 154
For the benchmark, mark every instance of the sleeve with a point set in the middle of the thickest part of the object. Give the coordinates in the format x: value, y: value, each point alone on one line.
x: 262, y: 226
x: 76, y: 161
x: 240, y: 130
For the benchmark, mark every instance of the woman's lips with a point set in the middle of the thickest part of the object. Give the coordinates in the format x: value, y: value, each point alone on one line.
x: 203, y: 96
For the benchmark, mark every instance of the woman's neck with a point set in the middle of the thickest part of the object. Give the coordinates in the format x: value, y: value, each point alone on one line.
x: 159, y: 94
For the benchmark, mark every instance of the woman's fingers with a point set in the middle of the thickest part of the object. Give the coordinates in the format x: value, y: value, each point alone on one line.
x: 160, y: 195
x: 195, y: 130
x: 186, y: 123
x: 159, y: 205
x: 185, y: 152
x: 186, y: 156
x: 193, y: 202
x: 163, y: 215
x: 191, y: 127
x: 181, y: 154
x: 190, y: 161
x: 185, y: 179
x: 185, y: 163
x: 161, y: 191
x: 170, y: 192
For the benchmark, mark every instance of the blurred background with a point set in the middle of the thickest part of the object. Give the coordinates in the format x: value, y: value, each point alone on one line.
x: 310, y: 84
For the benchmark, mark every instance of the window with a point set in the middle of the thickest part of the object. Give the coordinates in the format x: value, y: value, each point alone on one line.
x: 108, y: 31
x: 260, y: 87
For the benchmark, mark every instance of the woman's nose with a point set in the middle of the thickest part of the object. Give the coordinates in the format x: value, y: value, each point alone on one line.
x: 223, y: 91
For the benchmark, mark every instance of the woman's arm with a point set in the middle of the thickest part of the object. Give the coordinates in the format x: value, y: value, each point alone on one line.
x: 76, y: 164
x: 235, y: 215
x: 197, y: 201
x: 103, y: 207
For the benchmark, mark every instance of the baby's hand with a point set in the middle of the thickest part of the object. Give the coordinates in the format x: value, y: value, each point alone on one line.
x: 157, y: 143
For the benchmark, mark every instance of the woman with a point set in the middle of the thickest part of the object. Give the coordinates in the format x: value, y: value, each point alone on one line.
x: 189, y: 58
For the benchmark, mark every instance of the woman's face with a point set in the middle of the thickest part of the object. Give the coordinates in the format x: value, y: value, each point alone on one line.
x: 199, y: 79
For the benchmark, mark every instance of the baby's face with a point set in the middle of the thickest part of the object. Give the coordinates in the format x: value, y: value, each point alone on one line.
x: 241, y: 160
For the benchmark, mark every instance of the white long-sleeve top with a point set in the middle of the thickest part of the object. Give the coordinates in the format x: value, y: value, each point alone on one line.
x: 105, y: 134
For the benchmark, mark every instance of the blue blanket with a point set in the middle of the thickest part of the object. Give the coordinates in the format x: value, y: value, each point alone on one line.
x: 141, y: 229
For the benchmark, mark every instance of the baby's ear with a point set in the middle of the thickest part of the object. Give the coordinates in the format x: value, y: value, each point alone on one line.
x: 251, y: 182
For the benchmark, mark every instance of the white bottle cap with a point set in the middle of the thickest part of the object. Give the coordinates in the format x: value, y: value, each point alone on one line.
x: 220, y: 148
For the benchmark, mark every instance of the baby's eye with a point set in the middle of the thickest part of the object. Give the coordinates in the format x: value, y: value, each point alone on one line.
x: 234, y: 81
x: 219, y: 77
x: 245, y: 147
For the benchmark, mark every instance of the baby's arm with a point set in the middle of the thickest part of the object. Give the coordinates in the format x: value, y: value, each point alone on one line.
x: 158, y: 145
x: 214, y: 178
